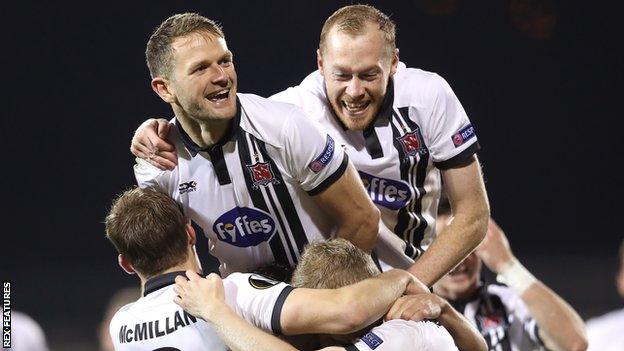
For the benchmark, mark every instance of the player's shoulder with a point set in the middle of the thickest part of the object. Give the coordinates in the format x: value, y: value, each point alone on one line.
x: 268, y: 119
x: 415, y: 86
x: 408, y: 335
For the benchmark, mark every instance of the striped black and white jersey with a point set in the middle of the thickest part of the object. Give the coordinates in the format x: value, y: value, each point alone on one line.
x: 252, y: 192
x: 403, y: 335
x: 502, y: 318
x: 421, y: 128
x: 155, y: 322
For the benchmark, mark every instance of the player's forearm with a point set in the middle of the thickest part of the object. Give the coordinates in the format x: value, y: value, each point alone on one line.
x: 451, y: 246
x: 561, y: 328
x: 361, y: 229
x: 237, y: 334
x: 343, y: 310
x: 359, y: 306
x: 466, y: 337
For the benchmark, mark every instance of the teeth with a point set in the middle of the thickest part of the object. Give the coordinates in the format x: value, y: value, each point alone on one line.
x: 355, y: 106
x: 219, y: 95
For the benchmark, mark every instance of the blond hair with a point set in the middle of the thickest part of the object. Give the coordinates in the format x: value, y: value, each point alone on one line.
x: 332, y: 264
x: 353, y: 19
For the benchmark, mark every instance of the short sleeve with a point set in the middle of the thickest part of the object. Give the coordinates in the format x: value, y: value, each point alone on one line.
x: 406, y: 335
x: 451, y: 136
x: 259, y: 300
x: 312, y: 155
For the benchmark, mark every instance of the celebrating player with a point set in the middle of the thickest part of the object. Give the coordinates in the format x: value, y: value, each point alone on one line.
x: 258, y: 177
x: 155, y: 240
x: 333, y: 264
x: 404, y: 130
x: 525, y: 315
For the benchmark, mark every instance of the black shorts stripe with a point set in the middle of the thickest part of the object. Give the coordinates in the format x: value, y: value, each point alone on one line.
x: 244, y: 154
x: 286, y: 203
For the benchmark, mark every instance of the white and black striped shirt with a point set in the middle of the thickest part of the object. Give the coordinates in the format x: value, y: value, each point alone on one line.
x: 251, y: 192
x: 502, y: 318
x: 420, y: 129
x: 155, y: 322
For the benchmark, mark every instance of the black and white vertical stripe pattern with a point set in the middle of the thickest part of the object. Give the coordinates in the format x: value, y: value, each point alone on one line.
x: 411, y: 224
x: 274, y: 199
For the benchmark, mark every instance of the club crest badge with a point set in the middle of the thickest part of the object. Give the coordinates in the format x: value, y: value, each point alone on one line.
x: 412, y: 143
x: 261, y: 174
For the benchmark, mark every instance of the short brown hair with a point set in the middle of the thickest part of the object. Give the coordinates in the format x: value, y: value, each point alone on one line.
x: 332, y: 264
x: 159, y: 52
x: 352, y: 20
x: 149, y: 229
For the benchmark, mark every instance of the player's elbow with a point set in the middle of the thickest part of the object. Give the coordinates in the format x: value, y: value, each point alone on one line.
x: 577, y: 343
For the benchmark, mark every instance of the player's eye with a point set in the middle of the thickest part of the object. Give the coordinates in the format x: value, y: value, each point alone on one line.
x: 226, y: 62
x: 200, y: 68
x: 342, y: 76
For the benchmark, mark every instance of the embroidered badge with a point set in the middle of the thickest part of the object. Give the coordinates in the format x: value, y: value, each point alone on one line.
x: 262, y: 174
x: 412, y: 143
x: 323, y: 159
x: 463, y: 135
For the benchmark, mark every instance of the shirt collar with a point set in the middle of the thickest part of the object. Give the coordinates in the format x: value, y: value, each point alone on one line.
x: 160, y: 281
x: 194, y: 149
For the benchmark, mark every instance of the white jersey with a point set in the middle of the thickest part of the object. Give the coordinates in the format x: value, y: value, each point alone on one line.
x: 606, y: 333
x: 154, y: 321
x: 420, y: 129
x: 403, y: 335
x: 26, y: 334
x: 251, y: 192
x: 502, y: 318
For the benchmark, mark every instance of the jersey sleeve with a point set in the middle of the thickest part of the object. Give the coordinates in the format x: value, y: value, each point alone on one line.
x: 311, y: 154
x: 405, y: 335
x: 259, y: 300
x: 452, y: 138
x: 522, y: 325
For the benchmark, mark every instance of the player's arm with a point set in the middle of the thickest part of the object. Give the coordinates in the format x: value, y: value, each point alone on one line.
x: 235, y: 332
x: 560, y: 327
x: 150, y: 143
x: 466, y: 192
x: 430, y: 306
x: 347, y: 309
x: 347, y: 203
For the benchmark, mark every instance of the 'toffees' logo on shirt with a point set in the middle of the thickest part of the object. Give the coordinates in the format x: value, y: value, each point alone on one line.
x: 463, y: 135
x: 323, y: 159
x: 244, y: 227
x: 389, y: 193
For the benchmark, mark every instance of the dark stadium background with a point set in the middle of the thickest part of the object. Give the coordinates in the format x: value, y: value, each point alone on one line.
x: 540, y: 85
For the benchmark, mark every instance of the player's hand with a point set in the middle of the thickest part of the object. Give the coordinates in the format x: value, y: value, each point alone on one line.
x: 494, y: 250
x: 201, y: 297
x: 417, y: 307
x: 149, y: 143
x: 415, y: 286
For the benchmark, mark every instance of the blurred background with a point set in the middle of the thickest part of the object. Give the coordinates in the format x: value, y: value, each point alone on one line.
x: 540, y: 80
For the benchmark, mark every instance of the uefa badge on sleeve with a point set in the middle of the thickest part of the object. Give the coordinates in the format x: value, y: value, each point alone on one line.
x: 464, y: 134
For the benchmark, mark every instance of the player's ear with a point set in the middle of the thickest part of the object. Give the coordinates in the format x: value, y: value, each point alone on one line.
x: 192, y: 236
x: 319, y: 61
x: 394, y: 63
x: 162, y: 87
x: 124, y: 264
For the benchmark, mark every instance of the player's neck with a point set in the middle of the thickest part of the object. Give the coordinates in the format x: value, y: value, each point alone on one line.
x: 204, y: 133
x: 190, y: 264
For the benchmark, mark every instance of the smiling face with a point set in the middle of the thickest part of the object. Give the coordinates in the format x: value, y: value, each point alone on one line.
x: 203, y: 81
x: 356, y: 69
x: 463, y: 280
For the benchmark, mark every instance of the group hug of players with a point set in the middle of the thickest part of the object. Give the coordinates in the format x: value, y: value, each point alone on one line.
x: 323, y: 206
